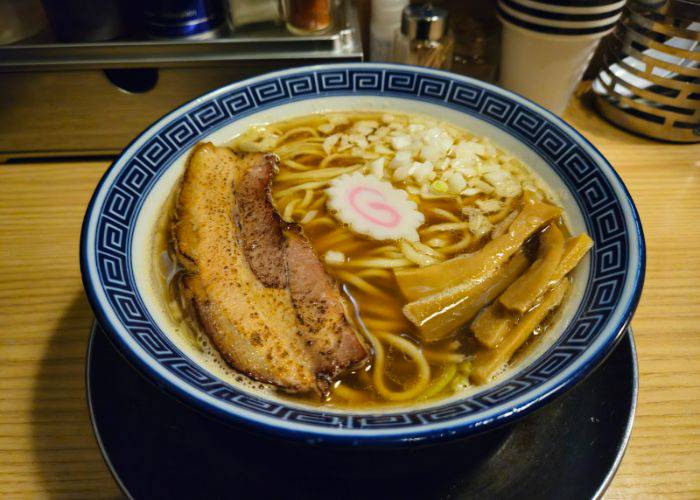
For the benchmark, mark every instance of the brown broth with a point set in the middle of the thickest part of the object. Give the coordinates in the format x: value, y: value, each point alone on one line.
x: 369, y: 313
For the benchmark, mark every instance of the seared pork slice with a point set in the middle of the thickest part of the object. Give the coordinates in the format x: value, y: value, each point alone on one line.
x: 239, y: 271
x: 260, y: 224
x: 320, y: 309
x: 254, y: 327
x: 328, y: 335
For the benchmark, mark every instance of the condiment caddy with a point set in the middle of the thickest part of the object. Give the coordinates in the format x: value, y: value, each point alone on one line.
x: 46, y: 111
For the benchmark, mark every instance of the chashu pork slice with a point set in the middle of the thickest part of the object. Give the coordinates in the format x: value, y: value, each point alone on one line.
x: 320, y: 309
x: 253, y: 326
x: 261, y: 227
x: 231, y: 242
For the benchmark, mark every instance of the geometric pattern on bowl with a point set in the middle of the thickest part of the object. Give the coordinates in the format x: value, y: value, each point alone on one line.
x: 122, y: 312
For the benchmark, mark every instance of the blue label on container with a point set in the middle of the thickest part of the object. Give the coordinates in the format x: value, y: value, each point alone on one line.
x: 181, y: 18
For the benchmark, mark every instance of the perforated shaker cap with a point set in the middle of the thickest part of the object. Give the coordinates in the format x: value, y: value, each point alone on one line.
x: 424, y: 22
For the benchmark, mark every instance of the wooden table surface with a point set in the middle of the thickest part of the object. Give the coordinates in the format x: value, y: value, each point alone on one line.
x: 46, y: 444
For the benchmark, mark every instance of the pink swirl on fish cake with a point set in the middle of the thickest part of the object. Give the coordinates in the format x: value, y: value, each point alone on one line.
x: 393, y: 217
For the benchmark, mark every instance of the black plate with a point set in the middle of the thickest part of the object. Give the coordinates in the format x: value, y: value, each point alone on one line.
x: 157, y: 447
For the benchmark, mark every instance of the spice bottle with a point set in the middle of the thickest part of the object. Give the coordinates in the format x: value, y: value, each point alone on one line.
x: 308, y: 17
x: 424, y: 38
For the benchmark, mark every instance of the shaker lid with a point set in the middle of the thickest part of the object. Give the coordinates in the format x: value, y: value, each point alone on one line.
x: 424, y: 22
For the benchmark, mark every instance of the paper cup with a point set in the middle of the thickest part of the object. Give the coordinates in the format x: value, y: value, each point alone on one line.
x: 556, y: 23
x: 543, y: 67
x: 606, y: 7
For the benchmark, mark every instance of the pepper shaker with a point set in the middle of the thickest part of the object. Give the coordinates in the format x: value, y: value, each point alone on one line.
x: 424, y: 38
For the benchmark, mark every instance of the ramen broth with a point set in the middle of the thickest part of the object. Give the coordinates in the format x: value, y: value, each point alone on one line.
x: 403, y: 367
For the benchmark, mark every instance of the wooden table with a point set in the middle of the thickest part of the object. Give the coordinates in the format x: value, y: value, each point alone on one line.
x: 46, y: 442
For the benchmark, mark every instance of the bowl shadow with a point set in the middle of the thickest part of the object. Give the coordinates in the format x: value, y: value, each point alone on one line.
x: 67, y: 456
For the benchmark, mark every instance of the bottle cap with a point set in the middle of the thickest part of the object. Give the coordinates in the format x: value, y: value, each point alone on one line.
x: 424, y: 22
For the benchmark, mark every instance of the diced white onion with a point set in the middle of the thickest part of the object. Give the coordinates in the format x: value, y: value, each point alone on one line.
x: 431, y: 153
x: 401, y: 142
x: 401, y: 159
x: 383, y: 150
x: 334, y: 257
x: 422, y: 171
x: 456, y: 183
x: 329, y: 142
x: 376, y: 168
x: 402, y: 173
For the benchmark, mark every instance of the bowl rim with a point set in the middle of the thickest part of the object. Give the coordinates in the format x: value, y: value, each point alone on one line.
x: 414, y: 433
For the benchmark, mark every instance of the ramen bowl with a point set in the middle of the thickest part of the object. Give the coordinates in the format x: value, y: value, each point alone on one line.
x: 117, y: 239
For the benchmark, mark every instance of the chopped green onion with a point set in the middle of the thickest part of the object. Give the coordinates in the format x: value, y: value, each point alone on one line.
x: 439, y: 186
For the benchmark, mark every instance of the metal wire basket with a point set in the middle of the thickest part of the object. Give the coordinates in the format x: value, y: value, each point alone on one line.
x: 650, y: 81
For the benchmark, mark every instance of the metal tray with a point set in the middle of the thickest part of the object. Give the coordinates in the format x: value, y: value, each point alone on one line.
x: 250, y: 43
x: 93, y: 98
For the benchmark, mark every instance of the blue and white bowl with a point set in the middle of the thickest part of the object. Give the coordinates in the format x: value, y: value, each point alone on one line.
x: 121, y: 219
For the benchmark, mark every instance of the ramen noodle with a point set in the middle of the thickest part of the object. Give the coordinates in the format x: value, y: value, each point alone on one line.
x: 452, y: 255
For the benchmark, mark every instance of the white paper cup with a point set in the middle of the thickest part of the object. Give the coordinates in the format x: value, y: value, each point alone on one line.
x: 544, y: 68
x: 603, y: 8
x: 568, y: 22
